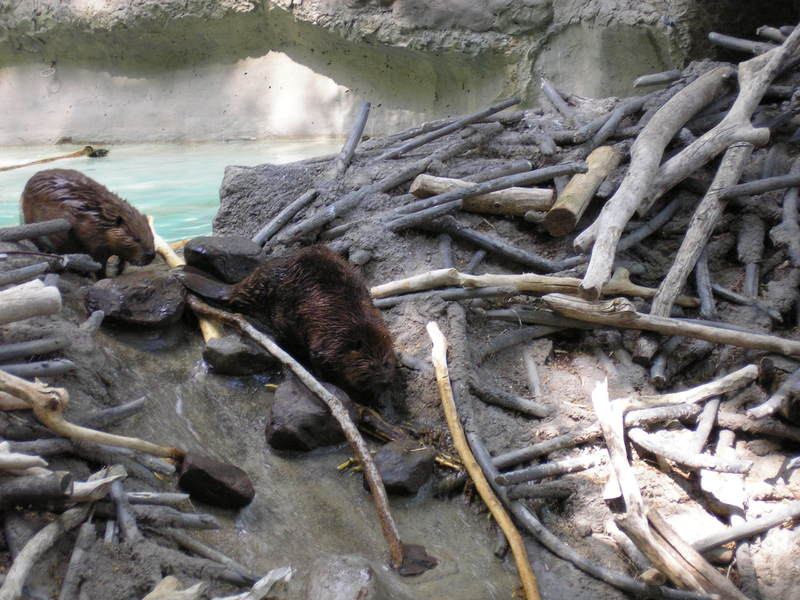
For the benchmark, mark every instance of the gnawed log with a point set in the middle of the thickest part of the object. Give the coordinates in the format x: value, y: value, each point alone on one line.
x: 515, y: 201
x: 619, y: 312
x: 32, y: 299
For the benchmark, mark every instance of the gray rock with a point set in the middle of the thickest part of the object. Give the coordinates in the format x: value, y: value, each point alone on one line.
x: 404, y: 466
x: 231, y: 355
x: 230, y: 258
x: 343, y: 577
x: 298, y: 420
x: 149, y: 299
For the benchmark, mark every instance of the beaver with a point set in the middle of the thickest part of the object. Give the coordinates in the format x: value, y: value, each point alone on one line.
x: 103, y: 224
x: 319, y: 310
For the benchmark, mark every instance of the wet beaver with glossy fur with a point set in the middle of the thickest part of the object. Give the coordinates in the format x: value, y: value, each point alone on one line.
x: 103, y: 224
x: 320, y: 311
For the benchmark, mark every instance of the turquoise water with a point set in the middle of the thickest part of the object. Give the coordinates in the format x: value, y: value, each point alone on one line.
x: 178, y: 184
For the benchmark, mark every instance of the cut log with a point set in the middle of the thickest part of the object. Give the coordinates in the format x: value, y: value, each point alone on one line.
x: 572, y: 202
x: 515, y: 201
x: 32, y: 299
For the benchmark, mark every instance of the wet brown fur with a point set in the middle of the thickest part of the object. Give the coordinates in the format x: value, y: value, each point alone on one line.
x: 318, y: 307
x: 103, y: 224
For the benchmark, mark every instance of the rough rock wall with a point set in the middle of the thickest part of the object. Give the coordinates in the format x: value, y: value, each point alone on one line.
x: 150, y: 70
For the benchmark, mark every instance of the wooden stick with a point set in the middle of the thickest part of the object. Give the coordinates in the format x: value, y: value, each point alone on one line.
x: 553, y: 469
x: 687, y: 458
x: 195, y: 546
x: 74, y: 575
x: 162, y: 516
x: 33, y: 230
x: 31, y: 299
x: 548, y: 540
x: 493, y: 185
x: 349, y: 148
x: 527, y: 282
x: 572, y: 202
x: 657, y: 78
x: 41, y: 368
x: 23, y: 273
x: 388, y: 526
x: 739, y: 44
x: 35, y: 548
x: 552, y: 94
x: 439, y: 358
x: 493, y: 395
x: 515, y: 201
x: 48, y: 405
x: 748, y: 528
x: 755, y: 76
x: 437, y: 133
x: 208, y: 328
x: 646, y: 154
x: 283, y: 217
x: 45, y: 345
x: 87, y: 151
x: 788, y: 388
x: 620, y: 312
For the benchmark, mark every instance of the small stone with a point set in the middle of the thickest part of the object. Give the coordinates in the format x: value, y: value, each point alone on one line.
x: 230, y: 258
x: 215, y: 482
x: 149, y: 299
x: 342, y: 577
x: 360, y: 257
x: 299, y: 420
x: 231, y: 355
x: 404, y: 466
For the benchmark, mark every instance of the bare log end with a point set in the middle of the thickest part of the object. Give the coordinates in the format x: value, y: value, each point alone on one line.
x: 559, y: 221
x: 591, y: 292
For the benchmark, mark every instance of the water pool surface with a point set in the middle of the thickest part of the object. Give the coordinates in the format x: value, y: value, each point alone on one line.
x: 178, y: 184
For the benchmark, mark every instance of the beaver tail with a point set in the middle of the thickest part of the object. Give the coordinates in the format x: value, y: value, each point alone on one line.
x: 201, y: 283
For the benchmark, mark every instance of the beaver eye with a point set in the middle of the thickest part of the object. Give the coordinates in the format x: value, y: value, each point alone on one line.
x: 118, y: 222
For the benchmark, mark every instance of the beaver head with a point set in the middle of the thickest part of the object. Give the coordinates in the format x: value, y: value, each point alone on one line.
x: 122, y: 230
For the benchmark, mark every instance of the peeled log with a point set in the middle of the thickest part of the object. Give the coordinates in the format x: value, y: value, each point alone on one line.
x: 572, y: 202
x: 514, y: 201
x: 30, y: 299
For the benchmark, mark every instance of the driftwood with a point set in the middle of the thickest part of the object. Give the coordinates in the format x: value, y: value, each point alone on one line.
x: 493, y: 185
x: 33, y: 230
x: 439, y: 358
x: 189, y: 543
x: 657, y: 78
x: 739, y: 44
x: 75, y: 568
x: 551, y: 542
x: 351, y: 200
x: 41, y: 368
x: 620, y: 312
x: 349, y: 148
x: 32, y: 299
x: 515, y: 201
x: 160, y: 516
x: 789, y: 388
x: 48, y: 405
x: 23, y: 273
x: 682, y: 565
x: 693, y: 460
x: 528, y: 282
x: 37, y: 490
x: 388, y: 526
x: 459, y: 124
x: 552, y: 94
x: 167, y: 589
x: 564, y: 215
x: 44, y: 345
x: 646, y: 155
x: 559, y: 467
x: 702, y: 224
x: 493, y: 395
x: 748, y: 528
x: 286, y: 214
x: 513, y: 338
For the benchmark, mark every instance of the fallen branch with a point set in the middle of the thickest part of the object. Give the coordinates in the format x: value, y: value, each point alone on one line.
x: 75, y: 569
x: 388, y: 526
x: 689, y: 459
x: 33, y: 230
x: 439, y: 358
x: 23, y: 273
x: 789, y: 388
x: 552, y: 469
x: 498, y: 397
x: 748, y: 528
x: 349, y: 148
x: 619, y: 312
x: 437, y: 133
x: 283, y: 217
x: 527, y: 282
x: 646, y: 154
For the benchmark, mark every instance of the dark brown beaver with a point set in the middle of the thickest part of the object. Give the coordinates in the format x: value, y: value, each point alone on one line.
x: 318, y: 308
x: 103, y: 224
